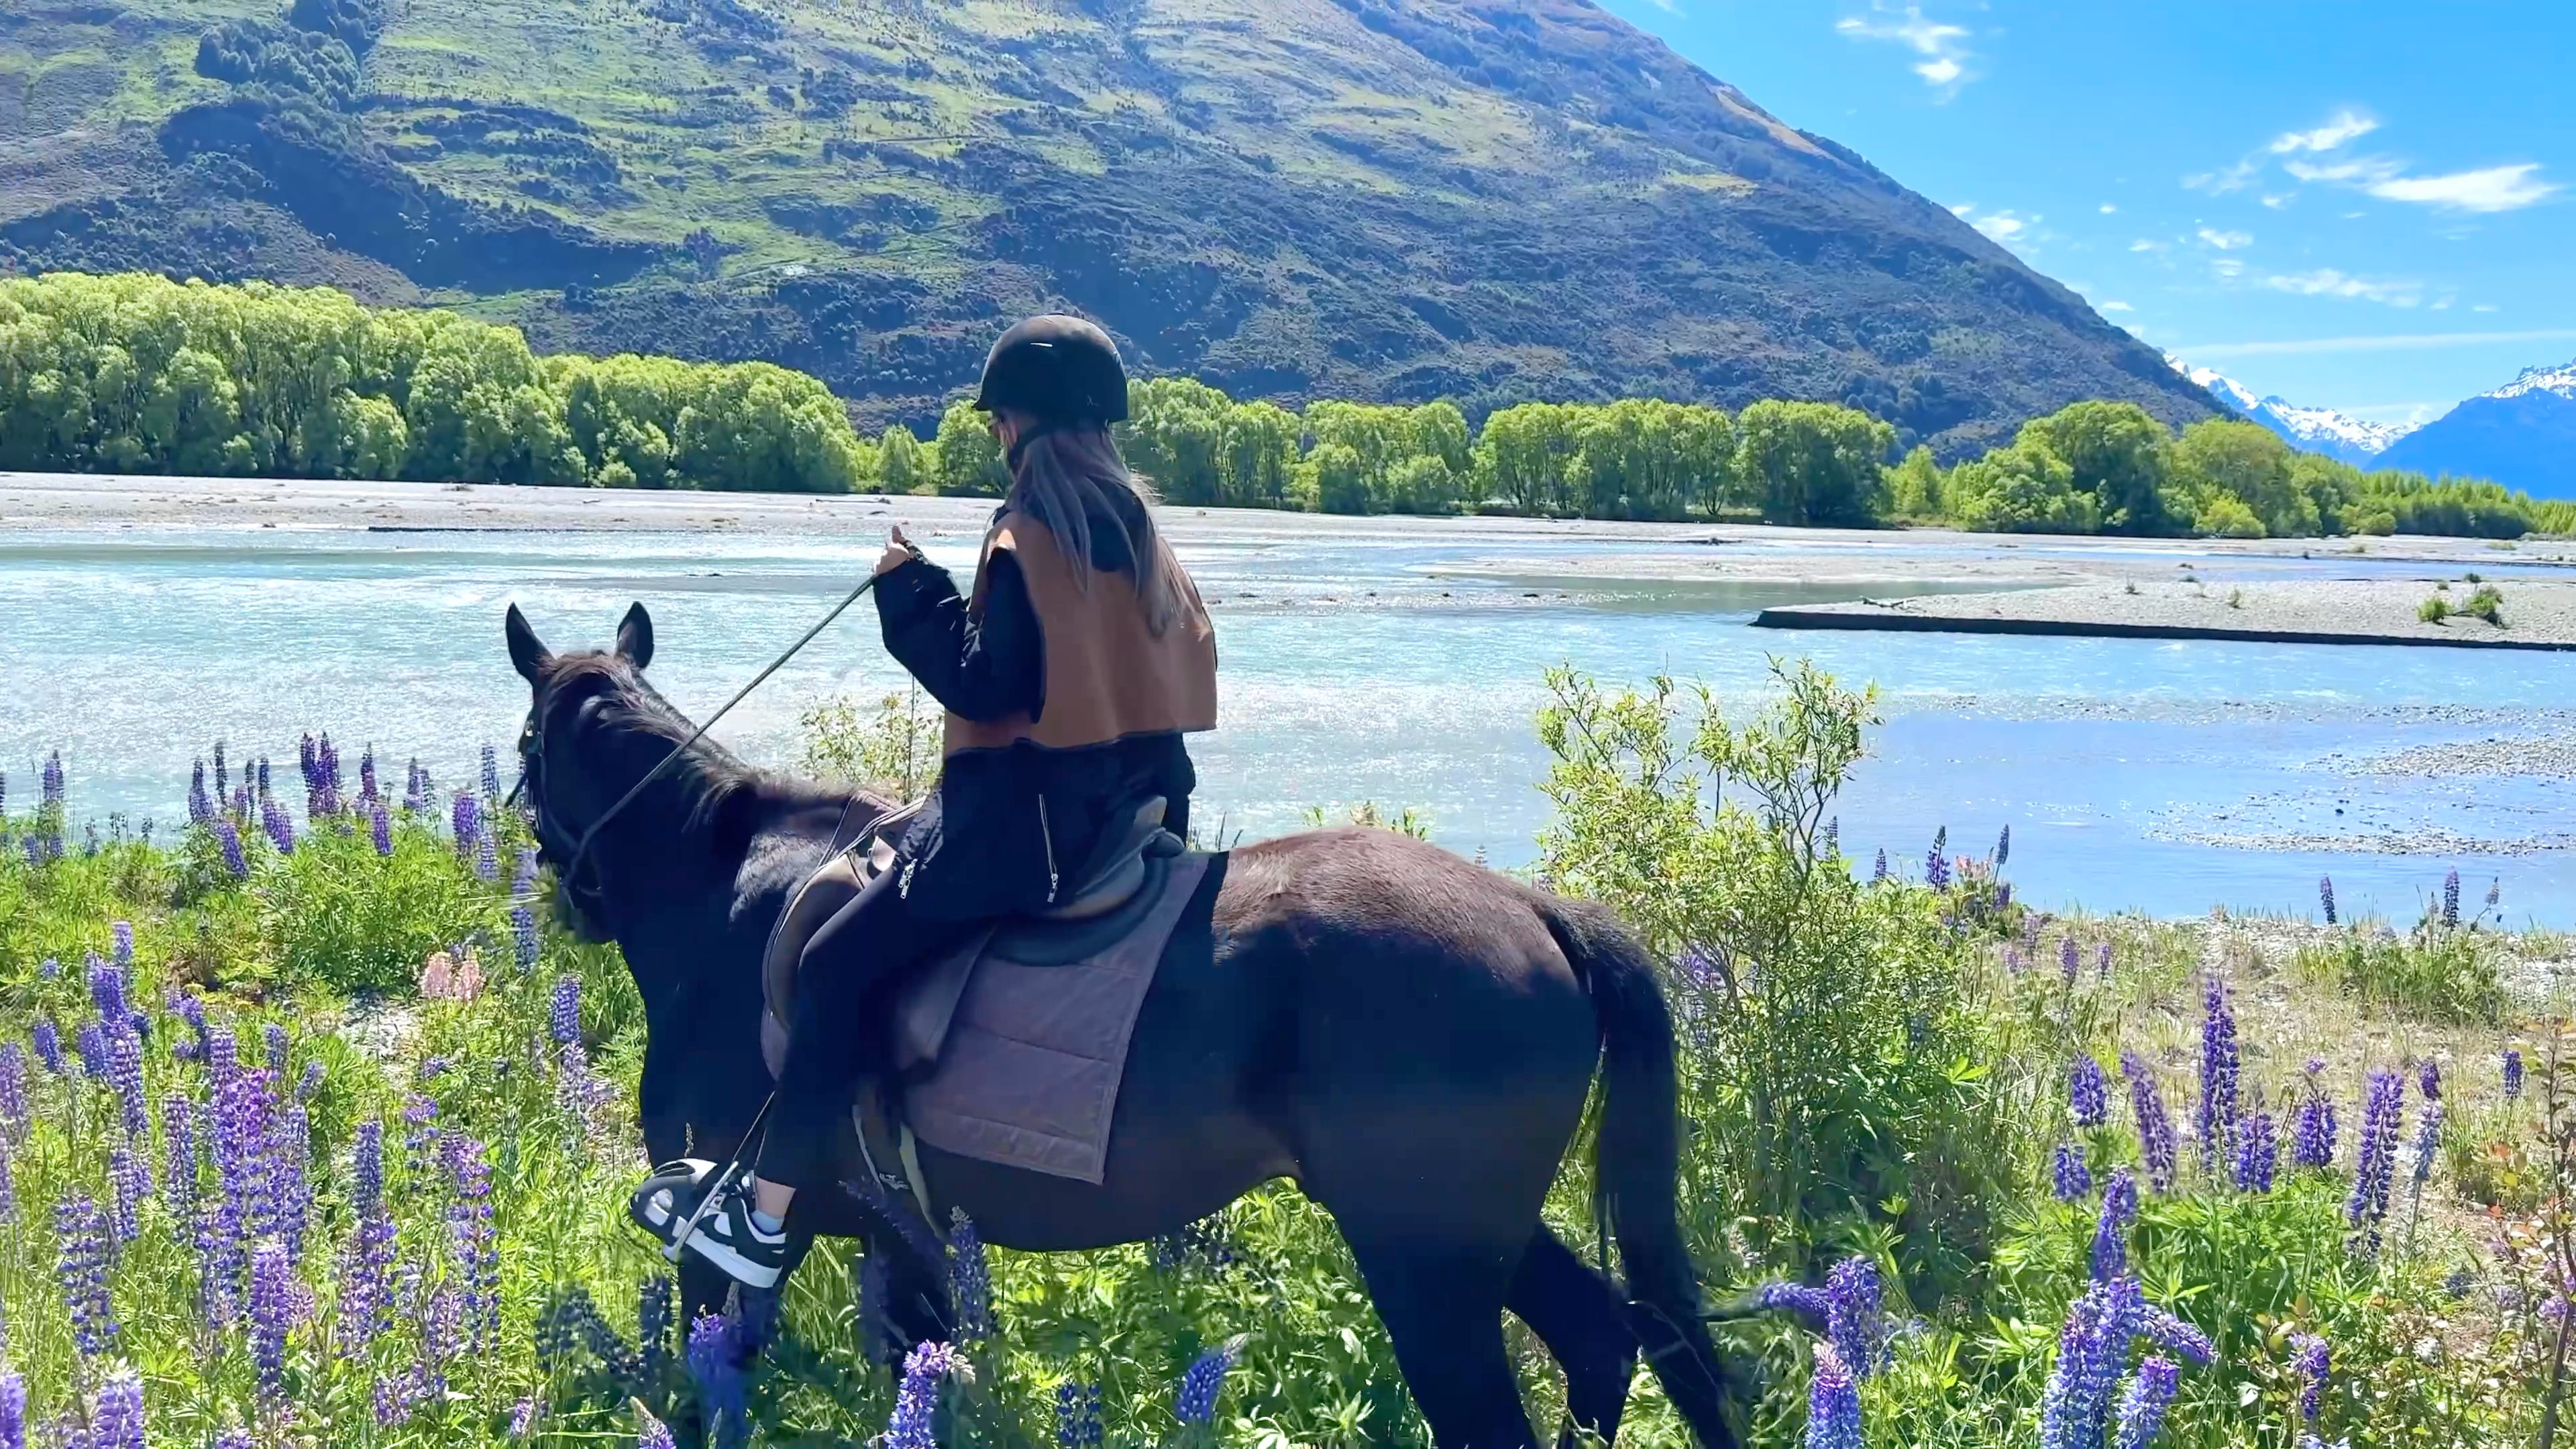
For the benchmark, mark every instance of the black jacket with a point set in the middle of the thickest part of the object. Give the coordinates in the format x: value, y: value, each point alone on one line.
x: 1008, y: 830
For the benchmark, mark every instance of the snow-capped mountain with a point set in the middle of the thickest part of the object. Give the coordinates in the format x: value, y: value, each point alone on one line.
x: 2522, y: 435
x: 2319, y: 430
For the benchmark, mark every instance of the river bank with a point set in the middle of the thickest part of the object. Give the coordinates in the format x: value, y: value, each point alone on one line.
x: 2533, y: 613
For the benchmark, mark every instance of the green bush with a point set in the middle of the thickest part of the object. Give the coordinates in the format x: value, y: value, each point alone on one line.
x: 2434, y: 973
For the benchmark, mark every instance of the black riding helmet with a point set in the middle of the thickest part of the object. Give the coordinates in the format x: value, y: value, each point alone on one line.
x: 1058, y: 370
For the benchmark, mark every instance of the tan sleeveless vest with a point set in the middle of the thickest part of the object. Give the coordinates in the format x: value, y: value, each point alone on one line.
x: 1107, y: 676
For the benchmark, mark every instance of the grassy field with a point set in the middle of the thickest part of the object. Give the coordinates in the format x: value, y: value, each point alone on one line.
x: 318, y: 1132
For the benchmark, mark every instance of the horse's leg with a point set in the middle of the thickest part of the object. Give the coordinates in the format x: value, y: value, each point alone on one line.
x: 1443, y: 1309
x: 1573, y: 1310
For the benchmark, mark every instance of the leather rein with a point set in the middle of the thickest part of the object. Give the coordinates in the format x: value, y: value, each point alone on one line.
x: 532, y: 754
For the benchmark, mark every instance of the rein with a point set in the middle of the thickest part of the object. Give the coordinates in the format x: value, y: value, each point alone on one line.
x: 570, y: 873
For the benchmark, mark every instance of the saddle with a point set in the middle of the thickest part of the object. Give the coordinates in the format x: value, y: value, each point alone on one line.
x: 1008, y: 1048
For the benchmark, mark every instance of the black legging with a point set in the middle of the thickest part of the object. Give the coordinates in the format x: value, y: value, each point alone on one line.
x: 840, y: 1028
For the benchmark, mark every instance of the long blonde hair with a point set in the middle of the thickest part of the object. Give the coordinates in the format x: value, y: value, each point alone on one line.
x: 1072, y: 480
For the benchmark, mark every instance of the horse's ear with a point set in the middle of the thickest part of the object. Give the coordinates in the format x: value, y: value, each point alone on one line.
x: 635, y: 637
x: 528, y: 653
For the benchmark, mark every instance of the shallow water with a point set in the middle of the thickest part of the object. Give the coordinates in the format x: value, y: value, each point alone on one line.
x: 2162, y: 776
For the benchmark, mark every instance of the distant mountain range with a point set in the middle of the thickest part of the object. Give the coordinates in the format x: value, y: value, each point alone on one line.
x: 2522, y: 435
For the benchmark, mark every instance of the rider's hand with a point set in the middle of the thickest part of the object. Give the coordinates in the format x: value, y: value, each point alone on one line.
x: 898, y: 552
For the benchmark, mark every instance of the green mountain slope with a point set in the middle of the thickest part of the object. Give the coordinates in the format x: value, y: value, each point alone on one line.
x: 1383, y: 199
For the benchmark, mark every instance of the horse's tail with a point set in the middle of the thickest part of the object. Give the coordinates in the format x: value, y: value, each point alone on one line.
x: 1638, y: 1151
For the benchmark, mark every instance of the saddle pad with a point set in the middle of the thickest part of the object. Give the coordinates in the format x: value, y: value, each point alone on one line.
x: 1028, y: 1071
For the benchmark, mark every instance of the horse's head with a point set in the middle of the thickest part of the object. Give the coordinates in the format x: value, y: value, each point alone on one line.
x: 594, y: 729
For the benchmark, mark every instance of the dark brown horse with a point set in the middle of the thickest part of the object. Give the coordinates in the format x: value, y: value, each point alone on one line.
x: 1408, y: 1037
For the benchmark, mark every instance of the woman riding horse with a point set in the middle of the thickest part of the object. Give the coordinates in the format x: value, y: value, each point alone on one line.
x: 1070, y: 675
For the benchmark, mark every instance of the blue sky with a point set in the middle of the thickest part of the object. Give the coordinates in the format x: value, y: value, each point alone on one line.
x: 2369, y: 205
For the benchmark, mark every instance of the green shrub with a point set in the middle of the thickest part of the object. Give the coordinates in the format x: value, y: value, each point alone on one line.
x: 894, y: 746
x: 341, y: 916
x: 2435, y: 973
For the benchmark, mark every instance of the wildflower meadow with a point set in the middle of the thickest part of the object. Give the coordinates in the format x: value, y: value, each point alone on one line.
x: 316, y: 1129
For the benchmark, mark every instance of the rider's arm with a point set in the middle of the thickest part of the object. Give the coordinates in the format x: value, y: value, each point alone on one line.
x: 985, y: 669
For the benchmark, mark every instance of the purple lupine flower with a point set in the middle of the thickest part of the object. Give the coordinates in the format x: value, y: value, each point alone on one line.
x: 2090, y: 1349
x: 272, y: 1308
x: 563, y: 1014
x: 1800, y: 1298
x: 49, y: 1046
x: 1856, y: 1320
x: 367, y: 790
x: 13, y: 1410
x: 2175, y: 1335
x: 1936, y: 864
x: 2325, y: 896
x: 1077, y: 1415
x: 491, y: 773
x: 719, y: 1379
x: 201, y: 806
x: 2428, y: 1141
x: 179, y: 1156
x: 2003, y: 895
x: 223, y: 781
x: 2142, y: 1408
x: 2003, y: 847
x: 273, y: 1037
x: 290, y: 1194
x: 120, y: 938
x: 281, y: 830
x: 2119, y: 1209
x: 2067, y: 960
x: 2102, y: 960
x: 465, y: 819
x: 523, y: 1417
x: 487, y: 857
x: 191, y: 1009
x: 229, y: 840
x: 918, y: 1397
x: 2071, y: 1177
x: 130, y: 1182
x: 1194, y: 1401
x: 124, y: 1061
x: 2428, y: 1076
x: 309, y: 1085
x: 50, y: 790
x: 92, y: 1041
x: 470, y: 1232
x: 366, y: 1301
x: 2451, y: 899
x: 264, y: 792
x: 116, y: 1419
x: 2258, y: 1153
x: 2218, y: 1077
x: 654, y: 1435
x: 1833, y: 1404
x: 970, y: 1278
x: 2512, y: 1075
x: 2375, y: 1162
x: 330, y: 772
x: 14, y: 1117
x: 2155, y: 1128
x: 1879, y: 871
x: 8, y: 1195
x: 304, y: 763
x: 524, y: 940
x: 2013, y: 961
x: 2312, y: 1140
x: 2313, y: 1361
x: 2085, y: 1091
x: 81, y: 1257
x: 380, y: 827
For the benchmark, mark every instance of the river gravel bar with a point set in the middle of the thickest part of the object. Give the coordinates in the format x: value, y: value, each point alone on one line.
x: 2538, y: 614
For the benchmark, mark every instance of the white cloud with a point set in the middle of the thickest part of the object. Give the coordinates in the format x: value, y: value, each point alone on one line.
x: 2276, y: 202
x: 2483, y: 307
x: 2227, y: 267
x: 2491, y: 188
x: 2144, y: 245
x: 2218, y: 183
x: 2003, y: 226
x: 2403, y: 343
x: 1963, y: 208
x: 2346, y: 126
x: 2328, y: 282
x: 2108, y: 208
x: 1943, y: 46
x: 2117, y: 307
x: 2225, y: 241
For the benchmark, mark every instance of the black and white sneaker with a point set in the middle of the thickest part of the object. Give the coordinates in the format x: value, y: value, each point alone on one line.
x: 680, y: 1194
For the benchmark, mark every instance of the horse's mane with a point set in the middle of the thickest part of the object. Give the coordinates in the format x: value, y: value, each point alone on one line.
x: 696, y: 791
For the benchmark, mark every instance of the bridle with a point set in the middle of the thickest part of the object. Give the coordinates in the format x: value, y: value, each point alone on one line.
x: 590, y: 899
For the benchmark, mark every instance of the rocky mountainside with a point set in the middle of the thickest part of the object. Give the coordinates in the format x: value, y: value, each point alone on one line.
x: 1488, y: 200
x: 2522, y: 435
x: 2318, y: 430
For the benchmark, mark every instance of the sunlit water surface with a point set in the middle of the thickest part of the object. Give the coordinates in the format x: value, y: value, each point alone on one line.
x: 2160, y: 776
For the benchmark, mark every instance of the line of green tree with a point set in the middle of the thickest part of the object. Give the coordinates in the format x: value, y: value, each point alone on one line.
x: 135, y: 373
